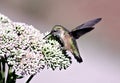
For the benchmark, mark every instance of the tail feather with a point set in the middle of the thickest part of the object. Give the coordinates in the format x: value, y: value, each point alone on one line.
x: 79, y: 59
x: 75, y: 52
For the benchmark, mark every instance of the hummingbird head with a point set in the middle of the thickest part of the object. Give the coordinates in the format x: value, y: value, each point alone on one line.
x: 58, y: 30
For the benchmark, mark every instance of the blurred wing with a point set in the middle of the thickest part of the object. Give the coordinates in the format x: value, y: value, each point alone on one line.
x: 76, y: 34
x: 84, y: 28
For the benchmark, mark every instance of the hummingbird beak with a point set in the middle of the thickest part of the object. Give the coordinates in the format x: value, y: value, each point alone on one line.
x: 47, y: 35
x: 51, y: 33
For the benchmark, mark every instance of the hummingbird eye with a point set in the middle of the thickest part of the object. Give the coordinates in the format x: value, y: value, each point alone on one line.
x: 54, y: 31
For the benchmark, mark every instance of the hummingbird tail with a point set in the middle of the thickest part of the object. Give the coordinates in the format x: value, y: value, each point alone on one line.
x: 78, y: 58
x: 84, y: 28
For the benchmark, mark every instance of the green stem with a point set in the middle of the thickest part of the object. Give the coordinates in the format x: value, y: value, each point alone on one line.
x: 2, y: 70
x: 0, y: 64
x: 29, y: 79
x: 11, y: 76
x: 8, y: 75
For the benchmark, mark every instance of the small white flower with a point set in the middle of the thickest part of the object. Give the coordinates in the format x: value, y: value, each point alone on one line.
x: 4, y: 19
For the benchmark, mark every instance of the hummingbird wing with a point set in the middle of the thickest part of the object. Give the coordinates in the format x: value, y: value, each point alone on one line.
x: 84, y: 28
x: 75, y: 51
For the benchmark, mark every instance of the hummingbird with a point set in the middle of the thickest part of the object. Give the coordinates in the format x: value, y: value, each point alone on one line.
x: 68, y: 38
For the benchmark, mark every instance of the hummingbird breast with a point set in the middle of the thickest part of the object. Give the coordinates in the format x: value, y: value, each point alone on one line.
x: 67, y: 41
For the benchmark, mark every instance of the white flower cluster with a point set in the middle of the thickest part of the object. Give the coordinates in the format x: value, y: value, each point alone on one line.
x: 55, y: 56
x: 25, y: 49
x: 21, y: 44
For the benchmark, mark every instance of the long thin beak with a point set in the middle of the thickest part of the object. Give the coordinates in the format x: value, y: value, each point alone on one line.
x: 47, y: 35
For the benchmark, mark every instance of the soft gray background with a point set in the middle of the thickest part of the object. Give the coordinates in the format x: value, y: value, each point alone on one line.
x: 100, y: 48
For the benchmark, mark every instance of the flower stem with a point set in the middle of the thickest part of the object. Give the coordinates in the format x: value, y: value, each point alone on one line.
x: 2, y: 70
x: 29, y: 79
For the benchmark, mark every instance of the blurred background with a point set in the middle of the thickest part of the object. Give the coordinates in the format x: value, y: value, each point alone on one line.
x: 100, y: 49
